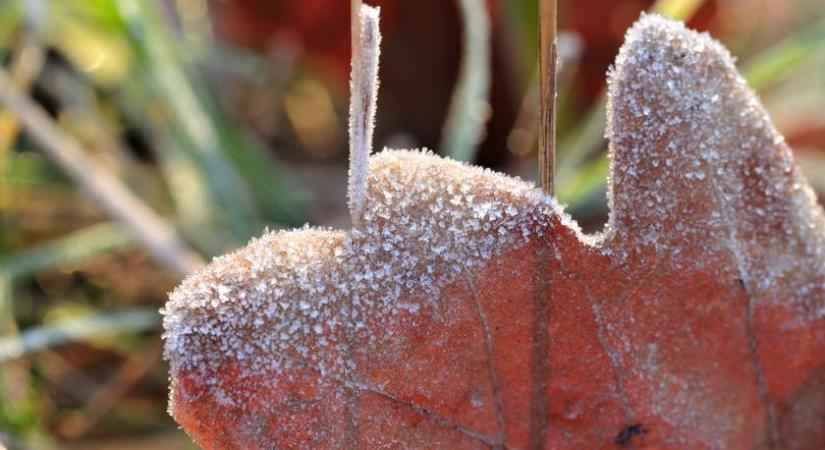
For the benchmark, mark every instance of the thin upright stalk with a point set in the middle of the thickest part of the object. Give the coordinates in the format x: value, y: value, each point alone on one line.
x: 548, y: 56
x: 363, y: 98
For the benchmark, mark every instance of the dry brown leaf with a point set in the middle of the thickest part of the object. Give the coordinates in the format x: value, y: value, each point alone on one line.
x: 468, y: 311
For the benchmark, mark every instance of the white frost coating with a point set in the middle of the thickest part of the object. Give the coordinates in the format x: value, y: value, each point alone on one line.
x: 687, y: 154
x: 292, y: 295
x: 701, y: 182
x: 697, y: 168
x: 363, y: 98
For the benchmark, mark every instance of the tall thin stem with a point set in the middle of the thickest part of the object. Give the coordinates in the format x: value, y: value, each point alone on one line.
x: 363, y: 96
x: 548, y: 57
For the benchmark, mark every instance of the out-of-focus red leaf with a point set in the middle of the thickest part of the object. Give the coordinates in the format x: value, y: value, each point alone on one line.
x: 421, y: 56
x: 468, y: 311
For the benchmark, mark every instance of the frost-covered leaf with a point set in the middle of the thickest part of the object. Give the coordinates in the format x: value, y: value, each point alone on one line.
x: 468, y: 311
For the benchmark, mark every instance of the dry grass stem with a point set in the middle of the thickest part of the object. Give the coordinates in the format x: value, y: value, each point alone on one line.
x: 547, y: 76
x: 106, y: 189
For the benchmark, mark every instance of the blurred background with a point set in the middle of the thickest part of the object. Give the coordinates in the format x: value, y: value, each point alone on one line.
x: 139, y: 138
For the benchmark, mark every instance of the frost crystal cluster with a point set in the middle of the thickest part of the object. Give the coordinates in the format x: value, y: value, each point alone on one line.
x: 425, y: 221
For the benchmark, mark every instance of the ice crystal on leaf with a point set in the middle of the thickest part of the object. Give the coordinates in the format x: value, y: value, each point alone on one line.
x: 466, y: 310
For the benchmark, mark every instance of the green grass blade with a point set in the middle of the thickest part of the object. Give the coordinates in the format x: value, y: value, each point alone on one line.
x: 468, y: 111
x: 69, y: 249
x: 584, y: 182
x: 77, y: 329
x: 191, y: 113
x: 246, y: 182
x: 770, y: 65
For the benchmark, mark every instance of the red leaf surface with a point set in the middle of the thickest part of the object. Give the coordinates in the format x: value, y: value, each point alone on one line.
x: 468, y: 311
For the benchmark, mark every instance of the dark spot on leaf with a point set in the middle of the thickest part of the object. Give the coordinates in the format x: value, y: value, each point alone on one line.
x: 628, y: 432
